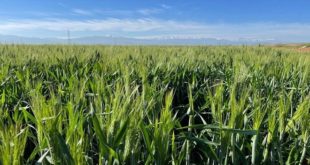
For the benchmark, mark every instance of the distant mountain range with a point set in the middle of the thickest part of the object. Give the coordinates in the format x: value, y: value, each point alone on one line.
x: 10, y: 39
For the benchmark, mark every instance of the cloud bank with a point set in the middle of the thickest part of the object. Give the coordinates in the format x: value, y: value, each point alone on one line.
x: 155, y: 28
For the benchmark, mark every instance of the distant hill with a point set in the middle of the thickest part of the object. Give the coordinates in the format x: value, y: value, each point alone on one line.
x: 10, y: 39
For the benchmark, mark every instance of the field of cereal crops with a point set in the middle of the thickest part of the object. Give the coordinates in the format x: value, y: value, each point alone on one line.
x: 154, y: 105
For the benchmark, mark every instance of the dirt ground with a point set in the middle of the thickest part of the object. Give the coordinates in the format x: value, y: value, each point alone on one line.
x: 304, y: 49
x: 297, y: 47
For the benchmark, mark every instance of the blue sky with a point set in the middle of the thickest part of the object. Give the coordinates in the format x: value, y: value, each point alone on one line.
x: 224, y: 19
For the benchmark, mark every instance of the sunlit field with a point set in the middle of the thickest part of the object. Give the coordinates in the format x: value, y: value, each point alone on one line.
x: 154, y: 105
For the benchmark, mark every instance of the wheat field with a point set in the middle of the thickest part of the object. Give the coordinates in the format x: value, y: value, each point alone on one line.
x: 154, y: 105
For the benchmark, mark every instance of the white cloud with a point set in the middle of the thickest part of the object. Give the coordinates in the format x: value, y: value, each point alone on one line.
x: 114, y: 12
x: 82, y: 12
x: 152, y: 11
x: 61, y: 4
x: 143, y: 11
x: 130, y: 25
x: 165, y: 6
x: 152, y: 28
x: 149, y: 11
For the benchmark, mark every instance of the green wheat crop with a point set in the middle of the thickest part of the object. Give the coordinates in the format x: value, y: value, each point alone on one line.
x: 153, y: 105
